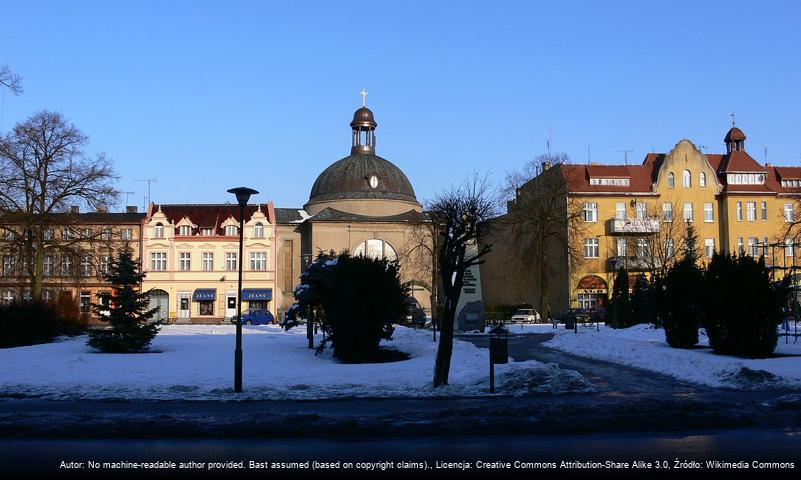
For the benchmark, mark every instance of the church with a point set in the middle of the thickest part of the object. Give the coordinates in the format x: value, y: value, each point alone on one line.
x: 362, y: 203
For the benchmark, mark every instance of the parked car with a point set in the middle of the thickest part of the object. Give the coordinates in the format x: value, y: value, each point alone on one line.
x: 526, y: 315
x: 415, y: 315
x: 255, y: 317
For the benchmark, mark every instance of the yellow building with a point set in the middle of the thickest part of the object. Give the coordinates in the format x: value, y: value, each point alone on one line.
x: 191, y: 257
x: 635, y: 217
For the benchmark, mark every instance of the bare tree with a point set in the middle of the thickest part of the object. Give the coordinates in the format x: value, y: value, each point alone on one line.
x: 462, y: 213
x: 9, y: 80
x: 544, y: 222
x: 665, y: 244
x: 43, y: 174
x: 419, y: 259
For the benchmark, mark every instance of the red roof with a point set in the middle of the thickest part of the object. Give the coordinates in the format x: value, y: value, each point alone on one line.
x: 578, y: 177
x: 734, y: 133
x: 740, y: 161
x: 209, y: 215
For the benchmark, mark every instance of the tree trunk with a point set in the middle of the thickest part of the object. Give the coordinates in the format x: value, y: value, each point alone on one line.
x: 445, y: 350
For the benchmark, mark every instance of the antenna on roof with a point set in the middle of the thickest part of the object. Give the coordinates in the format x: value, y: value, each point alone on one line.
x: 548, y: 143
x: 149, y: 181
x: 127, y: 194
x: 589, y: 156
x: 625, y: 155
x: 766, y: 155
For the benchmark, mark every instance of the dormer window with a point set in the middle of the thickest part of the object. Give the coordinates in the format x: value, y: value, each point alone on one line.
x: 614, y: 182
x: 791, y: 183
x: 158, y: 231
x: 230, y: 230
x: 185, y: 230
x: 745, y: 178
x: 207, y: 232
x: 258, y: 230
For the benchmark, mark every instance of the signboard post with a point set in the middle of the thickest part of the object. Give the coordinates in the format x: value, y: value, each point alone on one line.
x: 499, y: 352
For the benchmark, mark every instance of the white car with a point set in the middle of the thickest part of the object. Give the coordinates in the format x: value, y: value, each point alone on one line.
x: 526, y: 315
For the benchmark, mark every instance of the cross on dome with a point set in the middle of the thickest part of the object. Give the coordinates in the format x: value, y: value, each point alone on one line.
x: 364, y: 94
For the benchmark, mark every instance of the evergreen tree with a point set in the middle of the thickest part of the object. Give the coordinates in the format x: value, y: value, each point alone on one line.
x: 682, y: 312
x: 125, y: 309
x: 642, y: 304
x: 620, y: 300
x: 743, y: 308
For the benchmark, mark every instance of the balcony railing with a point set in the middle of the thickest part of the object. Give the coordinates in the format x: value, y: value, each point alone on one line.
x: 632, y: 263
x: 634, y: 225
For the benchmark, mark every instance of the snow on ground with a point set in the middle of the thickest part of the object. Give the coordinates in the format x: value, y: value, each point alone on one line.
x: 645, y: 347
x: 195, y: 362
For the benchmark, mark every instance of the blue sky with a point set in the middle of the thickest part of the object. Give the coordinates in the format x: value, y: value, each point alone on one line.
x: 204, y: 96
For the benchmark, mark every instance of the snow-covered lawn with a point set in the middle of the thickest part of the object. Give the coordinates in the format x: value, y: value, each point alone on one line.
x: 196, y: 362
x: 645, y: 347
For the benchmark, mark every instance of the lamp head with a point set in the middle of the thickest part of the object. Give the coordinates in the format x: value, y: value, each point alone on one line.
x: 242, y: 194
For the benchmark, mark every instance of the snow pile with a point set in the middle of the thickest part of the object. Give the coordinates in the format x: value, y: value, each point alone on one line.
x: 644, y: 347
x: 194, y: 362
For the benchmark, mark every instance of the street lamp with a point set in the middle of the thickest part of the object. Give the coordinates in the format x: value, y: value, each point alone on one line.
x: 242, y: 196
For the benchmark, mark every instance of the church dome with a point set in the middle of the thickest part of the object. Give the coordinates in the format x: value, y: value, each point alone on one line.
x: 363, y: 117
x: 362, y: 176
x: 734, y: 134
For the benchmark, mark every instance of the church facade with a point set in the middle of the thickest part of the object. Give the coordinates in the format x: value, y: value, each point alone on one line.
x: 361, y: 203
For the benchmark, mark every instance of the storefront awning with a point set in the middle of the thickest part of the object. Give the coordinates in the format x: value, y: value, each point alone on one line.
x: 205, y: 294
x: 251, y: 294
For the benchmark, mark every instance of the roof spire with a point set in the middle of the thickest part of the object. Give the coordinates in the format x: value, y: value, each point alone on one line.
x: 364, y: 94
x: 732, y: 120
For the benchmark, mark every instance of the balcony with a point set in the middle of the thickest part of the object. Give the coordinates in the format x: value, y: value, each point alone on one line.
x: 632, y: 263
x: 633, y: 225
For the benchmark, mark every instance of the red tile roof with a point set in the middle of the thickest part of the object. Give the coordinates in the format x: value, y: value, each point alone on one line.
x: 209, y: 215
x: 740, y: 161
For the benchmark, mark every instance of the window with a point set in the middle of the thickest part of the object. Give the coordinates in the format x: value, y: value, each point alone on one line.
x: 86, y: 233
x: 158, y: 231
x: 185, y: 261
x: 208, y: 232
x: 126, y: 234
x: 615, y: 182
x: 258, y: 230
x: 231, y: 230
x: 791, y: 183
x: 591, y: 247
x: 86, y: 299
x: 208, y: 261
x: 48, y: 265
x: 789, y: 248
x: 764, y: 211
x: 739, y: 211
x: 641, y: 210
x: 750, y: 208
x: 745, y: 178
x: 230, y: 261
x: 622, y: 248
x: 667, y: 212
x: 66, y: 267
x: 740, y: 247
x: 86, y: 266
x: 9, y: 263
x: 206, y: 307
x: 753, y: 246
x: 67, y: 233
x: 258, y: 260
x: 185, y: 230
x: 104, y: 260
x: 686, y: 179
x: 375, y: 248
x: 620, y: 210
x: 688, y: 212
x: 788, y: 212
x: 709, y: 247
x: 765, y: 246
x: 591, y: 212
x: 588, y: 301
x: 105, y: 234
x: 642, y: 248
x: 158, y: 261
x: 47, y: 295
x: 8, y: 297
x: 671, y: 180
x: 709, y: 212
x: 670, y: 248
x: 49, y: 234
x: 702, y: 179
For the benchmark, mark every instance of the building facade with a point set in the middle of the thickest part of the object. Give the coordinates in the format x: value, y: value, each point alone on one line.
x: 191, y: 259
x: 78, y: 248
x: 635, y: 217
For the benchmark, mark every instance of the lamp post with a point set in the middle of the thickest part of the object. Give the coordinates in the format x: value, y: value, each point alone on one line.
x: 242, y: 196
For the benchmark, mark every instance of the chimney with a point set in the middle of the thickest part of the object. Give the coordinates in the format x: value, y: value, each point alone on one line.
x: 75, y: 209
x: 546, y: 165
x: 131, y: 209
x: 102, y: 209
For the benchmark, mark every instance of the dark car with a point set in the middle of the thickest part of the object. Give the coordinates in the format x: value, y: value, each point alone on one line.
x: 256, y: 317
x: 415, y: 315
